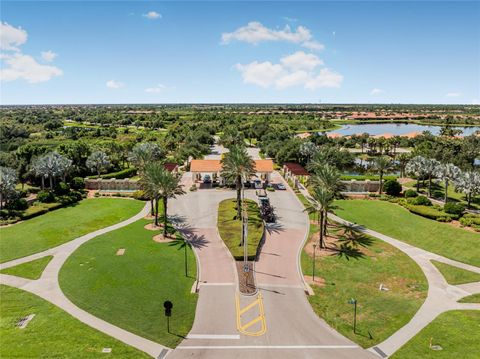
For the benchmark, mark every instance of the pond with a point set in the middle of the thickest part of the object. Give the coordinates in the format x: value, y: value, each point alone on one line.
x: 396, y: 129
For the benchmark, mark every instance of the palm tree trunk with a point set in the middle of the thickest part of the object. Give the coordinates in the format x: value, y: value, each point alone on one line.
x: 43, y: 183
x: 446, y: 191
x: 156, y: 212
x: 469, y: 199
x: 325, y: 223
x: 239, y: 197
x: 418, y: 184
x: 165, y: 203
x: 381, y: 183
x: 429, y: 185
x: 320, y: 223
x: 1, y: 200
x: 51, y: 181
x: 152, y: 208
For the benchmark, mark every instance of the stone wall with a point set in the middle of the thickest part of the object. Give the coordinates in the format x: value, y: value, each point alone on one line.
x: 361, y: 186
x: 111, y: 184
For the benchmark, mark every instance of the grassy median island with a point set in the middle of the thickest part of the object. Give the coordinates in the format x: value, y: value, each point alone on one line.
x: 230, y: 228
x: 474, y: 298
x: 457, y: 332
x: 454, y: 275
x: 379, y: 313
x: 63, y: 225
x: 29, y: 270
x: 52, y: 333
x: 395, y: 221
x: 129, y: 290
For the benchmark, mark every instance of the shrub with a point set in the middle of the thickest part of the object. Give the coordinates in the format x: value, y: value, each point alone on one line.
x: 426, y: 211
x: 454, y: 208
x: 127, y: 173
x: 77, y: 183
x: 411, y: 193
x: 18, y: 204
x: 392, y: 187
x: 140, y: 195
x: 46, y: 196
x: 422, y: 201
x: 193, y: 188
x: 62, y: 189
x: 65, y: 200
x: 444, y: 219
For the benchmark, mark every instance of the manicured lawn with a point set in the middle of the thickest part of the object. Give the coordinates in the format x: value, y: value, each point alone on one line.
x: 29, y: 270
x: 454, y: 275
x: 380, y: 313
x: 129, y: 290
x: 52, y: 333
x: 474, y: 298
x: 457, y: 332
x: 230, y: 229
x: 63, y: 225
x: 395, y: 221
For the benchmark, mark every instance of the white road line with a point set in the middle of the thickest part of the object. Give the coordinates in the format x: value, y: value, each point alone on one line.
x: 212, y: 336
x: 270, y: 347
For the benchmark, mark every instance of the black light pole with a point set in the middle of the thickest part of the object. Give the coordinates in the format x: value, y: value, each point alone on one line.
x: 186, y: 258
x: 313, y: 274
x: 354, y: 302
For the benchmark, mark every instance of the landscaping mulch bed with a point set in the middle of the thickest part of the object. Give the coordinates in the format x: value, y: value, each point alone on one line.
x: 153, y: 227
x: 160, y: 238
x: 246, y: 283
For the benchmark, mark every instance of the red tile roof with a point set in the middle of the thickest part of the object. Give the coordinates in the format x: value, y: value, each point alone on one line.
x: 296, y: 169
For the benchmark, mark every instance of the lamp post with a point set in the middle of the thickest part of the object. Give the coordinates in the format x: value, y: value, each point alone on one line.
x: 354, y: 302
x: 186, y: 257
x: 313, y: 272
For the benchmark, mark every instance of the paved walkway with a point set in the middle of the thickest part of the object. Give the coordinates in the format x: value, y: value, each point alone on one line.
x: 441, y: 296
x: 293, y: 329
x: 48, y: 288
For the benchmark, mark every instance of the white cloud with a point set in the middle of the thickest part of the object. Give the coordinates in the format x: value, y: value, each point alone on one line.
x: 155, y: 89
x: 114, y: 84
x: 301, y: 61
x: 48, y: 56
x: 453, y: 94
x: 298, y: 69
x: 20, y: 66
x: 290, y: 19
x: 152, y: 15
x: 475, y: 101
x: 254, y: 32
x: 11, y: 37
x: 376, y: 91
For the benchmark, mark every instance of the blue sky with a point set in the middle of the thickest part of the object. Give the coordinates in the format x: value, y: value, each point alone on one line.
x: 200, y: 52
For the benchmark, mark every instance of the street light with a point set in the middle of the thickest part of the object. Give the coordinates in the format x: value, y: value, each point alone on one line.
x: 186, y: 257
x: 354, y: 302
x: 313, y: 274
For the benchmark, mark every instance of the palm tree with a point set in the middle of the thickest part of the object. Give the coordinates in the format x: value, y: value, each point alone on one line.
x: 8, y: 180
x: 402, y: 160
x: 329, y: 177
x: 416, y: 167
x: 237, y: 165
x: 320, y: 202
x: 144, y: 153
x: 162, y: 185
x: 98, y: 162
x: 50, y: 166
x: 430, y: 167
x: 381, y: 164
x: 447, y: 173
x: 469, y: 183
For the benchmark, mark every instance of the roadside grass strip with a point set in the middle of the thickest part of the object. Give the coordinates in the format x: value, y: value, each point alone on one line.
x: 30, y: 270
x: 454, y: 275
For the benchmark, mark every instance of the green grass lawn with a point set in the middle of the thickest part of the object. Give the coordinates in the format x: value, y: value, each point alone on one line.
x: 230, y: 229
x: 395, y: 221
x: 380, y: 313
x: 438, y: 191
x: 52, y: 333
x: 474, y: 298
x: 63, y: 225
x: 454, y: 275
x: 129, y: 290
x: 457, y: 332
x: 29, y: 270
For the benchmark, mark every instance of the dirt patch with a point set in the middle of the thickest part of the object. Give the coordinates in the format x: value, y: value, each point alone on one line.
x: 149, y: 216
x: 121, y: 252
x: 153, y: 227
x: 319, y: 281
x: 457, y: 224
x: 246, y: 280
x: 329, y: 241
x: 160, y: 238
x: 91, y: 193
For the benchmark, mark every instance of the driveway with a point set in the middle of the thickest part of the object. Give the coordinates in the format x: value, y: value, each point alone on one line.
x: 292, y: 328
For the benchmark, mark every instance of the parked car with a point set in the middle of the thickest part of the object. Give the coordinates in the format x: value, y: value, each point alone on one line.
x: 281, y: 187
x: 207, y: 179
x: 261, y: 193
x: 258, y: 184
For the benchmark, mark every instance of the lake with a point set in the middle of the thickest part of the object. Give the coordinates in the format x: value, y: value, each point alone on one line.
x: 397, y: 129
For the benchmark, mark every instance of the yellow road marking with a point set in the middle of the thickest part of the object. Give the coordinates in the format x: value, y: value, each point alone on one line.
x: 261, y: 317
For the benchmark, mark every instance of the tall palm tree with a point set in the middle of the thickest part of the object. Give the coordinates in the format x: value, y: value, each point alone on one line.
x: 403, y: 159
x: 416, y: 167
x: 144, y: 153
x: 162, y: 185
x: 468, y: 183
x: 98, y: 162
x: 50, y: 166
x: 382, y: 164
x: 329, y: 177
x: 448, y: 172
x: 320, y: 202
x: 430, y: 167
x: 237, y: 165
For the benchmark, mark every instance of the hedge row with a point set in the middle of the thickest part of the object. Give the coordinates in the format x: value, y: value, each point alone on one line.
x: 431, y: 212
x: 366, y: 177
